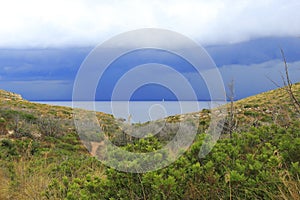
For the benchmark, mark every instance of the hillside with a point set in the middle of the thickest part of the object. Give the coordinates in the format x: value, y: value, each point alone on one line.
x: 41, y: 156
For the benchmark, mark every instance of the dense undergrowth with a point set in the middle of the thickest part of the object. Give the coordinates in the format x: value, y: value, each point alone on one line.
x: 41, y: 156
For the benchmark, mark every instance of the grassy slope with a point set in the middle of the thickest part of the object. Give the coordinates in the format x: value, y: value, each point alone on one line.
x: 32, y: 157
x: 59, y: 156
x: 267, y: 107
x: 263, y: 108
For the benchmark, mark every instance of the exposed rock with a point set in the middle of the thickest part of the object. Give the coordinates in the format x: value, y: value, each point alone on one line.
x: 9, y: 95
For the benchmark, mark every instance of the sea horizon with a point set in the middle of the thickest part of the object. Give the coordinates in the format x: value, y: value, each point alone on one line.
x: 139, y: 111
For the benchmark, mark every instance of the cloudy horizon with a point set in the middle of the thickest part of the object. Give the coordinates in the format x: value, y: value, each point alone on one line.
x: 42, y: 44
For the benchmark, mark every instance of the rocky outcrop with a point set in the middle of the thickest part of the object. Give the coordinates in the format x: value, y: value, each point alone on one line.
x: 5, y: 95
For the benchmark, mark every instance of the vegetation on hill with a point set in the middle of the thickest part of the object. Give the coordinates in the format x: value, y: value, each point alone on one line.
x: 41, y: 156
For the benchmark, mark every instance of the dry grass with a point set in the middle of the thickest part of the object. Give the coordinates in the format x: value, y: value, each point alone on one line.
x: 290, y: 187
x: 4, y: 185
x: 28, y: 185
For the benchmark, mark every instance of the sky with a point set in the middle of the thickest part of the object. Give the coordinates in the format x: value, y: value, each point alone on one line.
x: 43, y: 43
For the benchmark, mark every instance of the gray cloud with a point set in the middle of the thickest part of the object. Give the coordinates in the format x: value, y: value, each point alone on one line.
x: 41, y: 89
x: 255, y: 78
x: 79, y: 23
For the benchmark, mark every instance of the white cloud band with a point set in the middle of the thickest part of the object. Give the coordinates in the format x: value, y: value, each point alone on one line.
x: 55, y: 23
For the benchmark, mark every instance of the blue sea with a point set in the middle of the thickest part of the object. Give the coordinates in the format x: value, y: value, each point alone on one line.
x: 140, y: 111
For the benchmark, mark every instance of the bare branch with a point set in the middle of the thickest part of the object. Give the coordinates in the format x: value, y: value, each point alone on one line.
x: 276, y: 84
x: 288, y: 84
x: 231, y: 96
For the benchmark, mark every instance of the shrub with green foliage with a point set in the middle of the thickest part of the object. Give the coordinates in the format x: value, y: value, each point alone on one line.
x: 256, y: 164
x: 260, y: 161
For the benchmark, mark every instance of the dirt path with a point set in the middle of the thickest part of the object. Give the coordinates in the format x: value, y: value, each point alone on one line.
x: 95, y: 146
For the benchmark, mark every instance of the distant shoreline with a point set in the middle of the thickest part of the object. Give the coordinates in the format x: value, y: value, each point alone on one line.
x: 141, y: 111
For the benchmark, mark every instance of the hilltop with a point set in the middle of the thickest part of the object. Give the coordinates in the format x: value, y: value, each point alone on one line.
x: 262, y: 108
x: 41, y: 156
